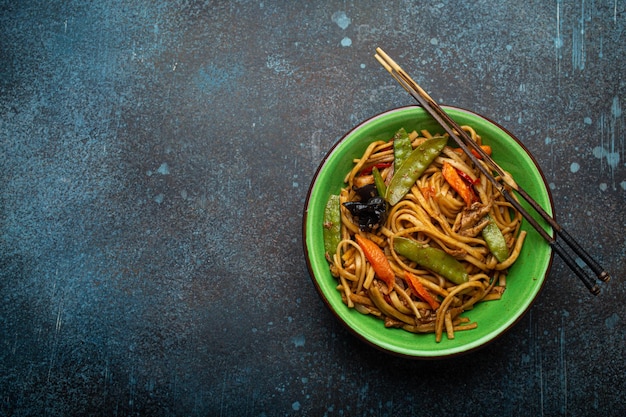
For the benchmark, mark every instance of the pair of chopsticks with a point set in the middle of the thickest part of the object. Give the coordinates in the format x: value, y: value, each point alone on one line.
x: 465, y: 142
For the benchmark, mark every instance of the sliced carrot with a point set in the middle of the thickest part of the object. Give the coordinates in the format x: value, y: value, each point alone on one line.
x: 428, y: 192
x: 456, y: 182
x: 419, y: 289
x: 485, y: 148
x: 378, y: 260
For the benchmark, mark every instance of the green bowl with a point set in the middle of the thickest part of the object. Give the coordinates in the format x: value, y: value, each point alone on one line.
x: 525, y: 278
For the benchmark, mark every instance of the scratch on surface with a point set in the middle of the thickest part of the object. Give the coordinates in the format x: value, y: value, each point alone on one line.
x: 611, y: 146
x: 314, y: 144
x: 535, y: 352
x: 57, y: 330
x: 540, y: 375
x: 223, y: 395
x: 558, y: 43
x: 132, y: 382
x: 578, y: 41
x: 563, y: 368
x: 57, y: 327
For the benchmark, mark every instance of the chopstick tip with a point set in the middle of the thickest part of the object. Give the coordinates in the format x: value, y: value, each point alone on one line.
x: 604, y: 276
x: 382, y: 62
x: 595, y: 290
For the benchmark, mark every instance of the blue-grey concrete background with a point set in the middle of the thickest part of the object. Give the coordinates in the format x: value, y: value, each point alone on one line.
x: 154, y: 161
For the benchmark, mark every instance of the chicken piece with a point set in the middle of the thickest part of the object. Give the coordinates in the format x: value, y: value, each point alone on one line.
x: 472, y: 220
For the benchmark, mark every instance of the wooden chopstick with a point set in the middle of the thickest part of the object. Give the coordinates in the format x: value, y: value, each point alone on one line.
x: 465, y: 142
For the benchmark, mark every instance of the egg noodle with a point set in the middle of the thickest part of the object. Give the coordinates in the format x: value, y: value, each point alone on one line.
x: 432, y: 214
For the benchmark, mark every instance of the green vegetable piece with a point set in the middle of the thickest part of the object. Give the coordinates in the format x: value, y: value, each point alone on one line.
x: 495, y: 240
x: 433, y: 259
x: 402, y: 148
x: 414, y: 165
x: 379, y: 182
x: 332, y: 225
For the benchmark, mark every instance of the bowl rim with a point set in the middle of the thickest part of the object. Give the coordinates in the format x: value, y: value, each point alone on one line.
x: 318, y: 288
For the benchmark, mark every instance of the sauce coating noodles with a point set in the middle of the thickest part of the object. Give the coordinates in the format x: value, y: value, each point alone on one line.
x: 432, y: 214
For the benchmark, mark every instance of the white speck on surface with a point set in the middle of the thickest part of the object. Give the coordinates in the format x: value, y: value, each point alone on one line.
x: 587, y: 120
x: 548, y: 140
x: 558, y: 42
x: 159, y: 198
x: 509, y: 48
x: 603, y: 186
x: 341, y: 19
x: 623, y: 185
x: 552, y: 186
x: 279, y: 65
x: 574, y: 167
x: 298, y: 341
x: 346, y: 42
x: 164, y: 169
x: 599, y: 152
x: 434, y: 41
x: 362, y: 66
x: 611, y: 321
x: 296, y: 406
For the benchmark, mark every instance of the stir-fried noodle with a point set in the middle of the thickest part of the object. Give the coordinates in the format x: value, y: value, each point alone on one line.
x: 432, y: 214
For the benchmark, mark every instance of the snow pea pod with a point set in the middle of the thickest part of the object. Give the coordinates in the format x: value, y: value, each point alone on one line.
x: 332, y: 225
x: 433, y: 259
x: 495, y: 240
x: 402, y: 148
x: 414, y: 165
x: 381, y: 188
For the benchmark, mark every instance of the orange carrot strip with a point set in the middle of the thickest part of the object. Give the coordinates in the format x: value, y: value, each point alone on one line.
x: 485, y: 148
x: 428, y: 192
x: 456, y: 182
x: 378, y: 260
x: 420, y: 290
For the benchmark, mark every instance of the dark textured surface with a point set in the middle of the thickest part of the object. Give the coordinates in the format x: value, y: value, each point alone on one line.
x: 155, y: 158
